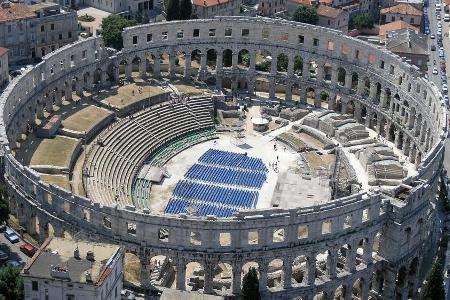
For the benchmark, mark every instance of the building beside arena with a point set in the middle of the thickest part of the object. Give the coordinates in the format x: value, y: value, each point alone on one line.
x: 155, y: 150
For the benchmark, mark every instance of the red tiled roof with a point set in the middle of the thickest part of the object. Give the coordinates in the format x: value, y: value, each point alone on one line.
x: 329, y: 12
x: 3, y: 51
x: 402, y: 9
x: 15, y: 11
x: 209, y: 3
x: 393, y: 26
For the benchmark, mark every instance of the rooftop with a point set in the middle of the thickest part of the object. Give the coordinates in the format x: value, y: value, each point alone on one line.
x: 15, y: 11
x: 402, y: 9
x: 329, y: 12
x: 55, y: 260
x: 407, y: 41
x: 384, y: 29
x: 209, y: 3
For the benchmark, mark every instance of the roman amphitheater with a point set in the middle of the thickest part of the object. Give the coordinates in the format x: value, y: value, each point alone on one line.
x: 206, y: 147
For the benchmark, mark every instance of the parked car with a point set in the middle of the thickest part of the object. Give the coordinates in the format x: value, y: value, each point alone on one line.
x: 435, y: 70
x: 28, y: 249
x: 433, y: 48
x: 15, y: 263
x: 432, y: 36
x: 445, y: 88
x: 3, y: 256
x: 11, y: 235
x: 441, y: 53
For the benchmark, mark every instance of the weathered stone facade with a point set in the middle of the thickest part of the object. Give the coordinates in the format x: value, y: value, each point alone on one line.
x: 374, y: 85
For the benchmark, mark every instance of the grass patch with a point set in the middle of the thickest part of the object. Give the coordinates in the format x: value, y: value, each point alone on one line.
x: 58, y: 180
x: 85, y: 119
x: 55, y: 152
x: 86, y: 18
x: 132, y: 268
x: 123, y: 95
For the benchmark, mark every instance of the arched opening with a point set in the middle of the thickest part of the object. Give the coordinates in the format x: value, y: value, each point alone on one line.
x: 310, y: 96
x: 296, y: 92
x: 244, y: 59
x: 341, y: 76
x: 282, y: 62
x: 392, y: 133
x: 350, y: 108
x: 418, y: 125
x: 373, y: 121
x: 211, y: 59
x: 298, y: 65
x: 262, y: 84
x: 324, y: 98
x: 363, y: 115
x: 322, y: 266
x: 366, y: 91
x: 338, y: 104
x: 195, y: 276
x: 340, y: 293
x: 355, y: 80
x: 299, y: 270
x: 195, y: 61
x: 387, y: 101
x: 320, y: 296
x: 180, y: 62
x: 275, y: 274
x: 263, y: 61
x: 412, y: 118
x: 313, y: 67
x: 97, y: 76
x: 223, y: 278
x: 226, y: 84
x: 122, y: 66
x: 135, y: 67
x: 377, y: 98
x: 357, y: 289
x: 327, y: 73
x: 150, y: 58
x: 344, y: 261
x: 227, y: 59
x: 246, y: 267
x: 242, y: 84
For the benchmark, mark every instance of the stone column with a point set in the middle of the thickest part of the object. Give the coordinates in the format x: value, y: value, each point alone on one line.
x: 252, y: 66
x: 388, y: 126
x: 360, y: 89
x: 103, y: 77
x: 43, y: 228
x: 187, y: 67
x: 383, y: 98
x: 288, y: 92
x: 389, y: 284
x: 219, y: 62
x: 58, y: 98
x: 290, y: 68
x: 79, y: 88
x: 287, y: 270
x: 143, y: 68
x: 320, y: 72
x: 237, y: 273
x: 180, y: 274
x: 202, y: 66
x: 128, y: 71
x: 251, y: 86
x: 262, y: 264
x: 343, y: 106
x: 334, y: 75
x: 157, y: 65
x: 273, y: 66
x: 219, y: 82
x: 332, y: 263
x: 311, y: 269
x: 116, y: 73
x: 209, y: 273
x: 48, y: 104
x: 368, y: 117
x: 379, y: 123
x: 145, y: 271
x: 367, y: 251
x: 350, y: 262
x: 332, y: 101
x: 412, y: 153
x: 271, y: 88
x: 305, y: 73
x: 357, y: 111
x: 406, y: 144
x: 317, y: 100
x: 418, y: 159
x: 348, y: 81
x: 172, y: 66
x: 234, y: 60
x: 372, y: 91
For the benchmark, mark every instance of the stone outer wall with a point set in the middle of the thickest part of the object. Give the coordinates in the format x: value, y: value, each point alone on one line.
x: 398, y: 99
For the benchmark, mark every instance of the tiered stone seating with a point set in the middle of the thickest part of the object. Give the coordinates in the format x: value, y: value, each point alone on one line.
x: 128, y: 143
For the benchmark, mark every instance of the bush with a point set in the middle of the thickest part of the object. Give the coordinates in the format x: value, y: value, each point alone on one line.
x: 86, y: 18
x: 306, y: 14
x: 361, y: 21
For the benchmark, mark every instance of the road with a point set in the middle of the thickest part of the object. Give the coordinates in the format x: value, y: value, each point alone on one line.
x: 434, y: 56
x: 12, y: 249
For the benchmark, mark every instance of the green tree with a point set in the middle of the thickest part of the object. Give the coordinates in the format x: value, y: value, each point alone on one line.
x: 11, y: 283
x: 306, y: 14
x: 185, y: 9
x: 112, y: 27
x: 282, y: 62
x: 173, y: 10
x: 361, y: 21
x: 250, y: 286
x: 433, y: 289
x: 4, y: 207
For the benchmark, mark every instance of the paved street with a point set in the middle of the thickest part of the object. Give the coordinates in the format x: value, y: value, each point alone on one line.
x: 12, y: 249
x: 434, y: 56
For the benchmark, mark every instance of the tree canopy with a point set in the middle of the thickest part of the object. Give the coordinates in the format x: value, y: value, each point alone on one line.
x: 112, y: 27
x: 250, y: 286
x: 306, y: 14
x: 433, y: 289
x: 4, y: 207
x: 185, y: 9
x: 361, y: 21
x: 173, y: 10
x: 11, y: 283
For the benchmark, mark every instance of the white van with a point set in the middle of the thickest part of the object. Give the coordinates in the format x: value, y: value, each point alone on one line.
x: 446, y: 17
x: 438, y: 6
